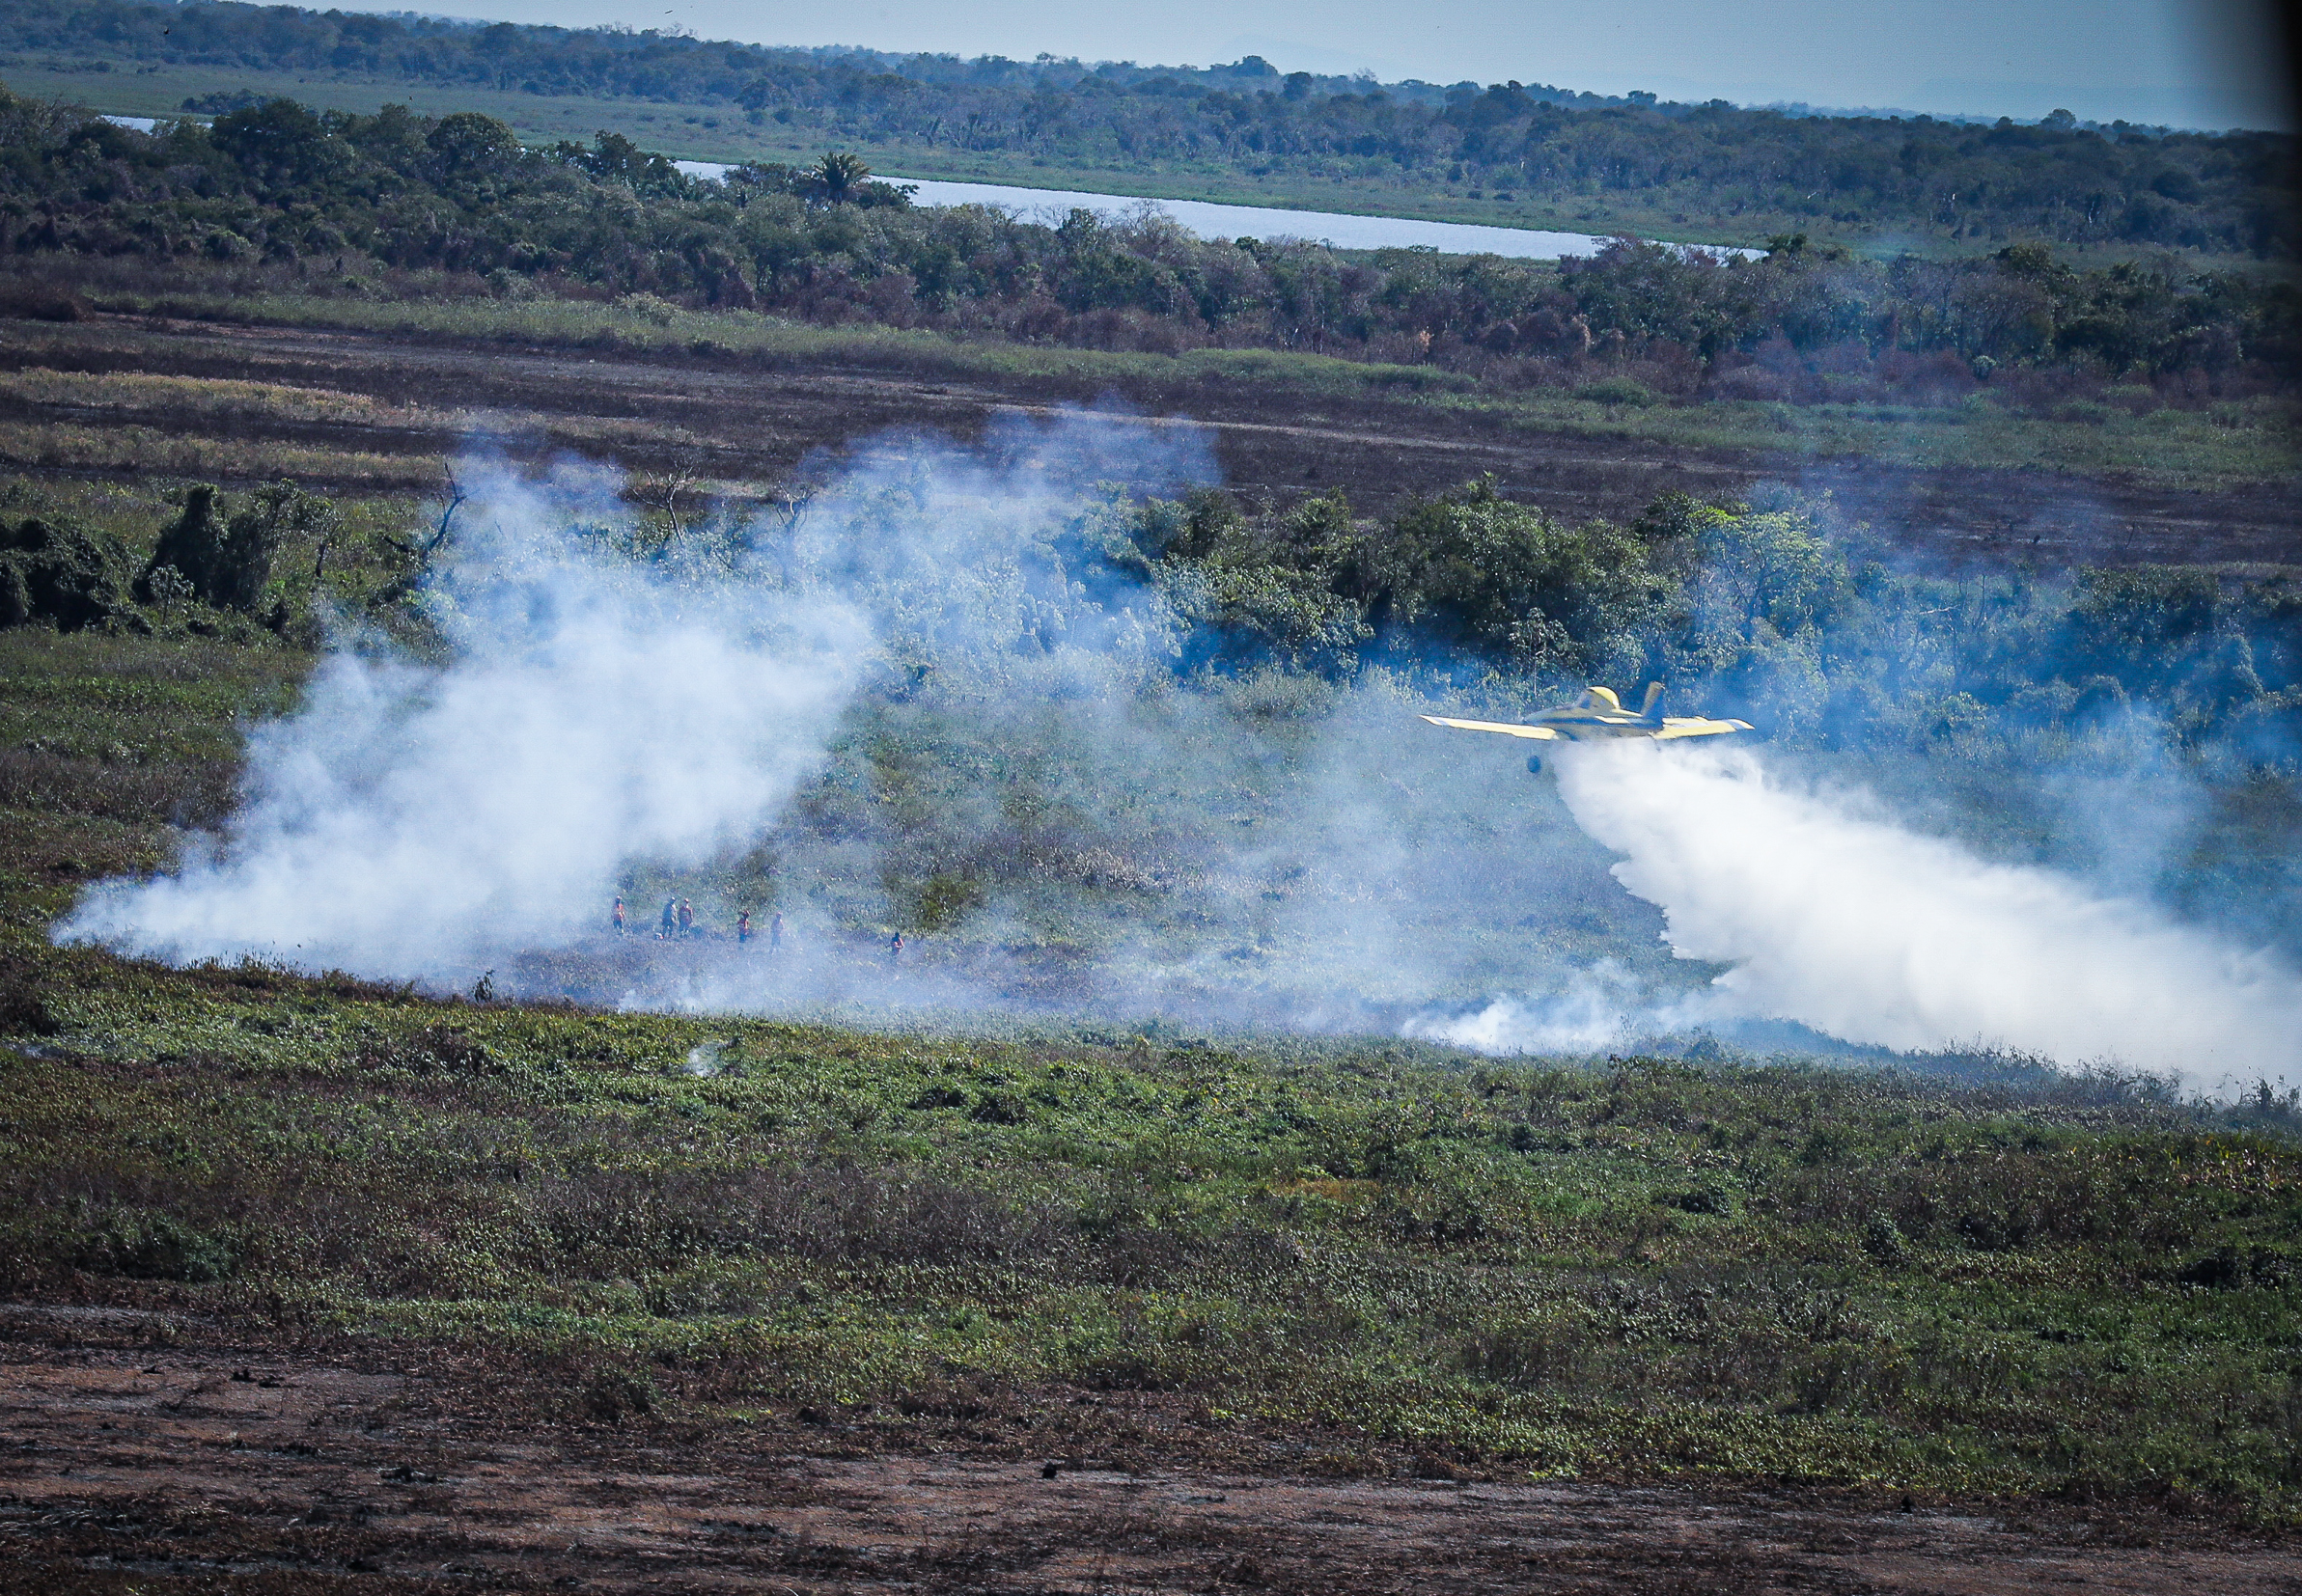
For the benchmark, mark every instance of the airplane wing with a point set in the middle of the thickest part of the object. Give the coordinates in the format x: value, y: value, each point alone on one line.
x: 1544, y: 732
x: 1691, y: 725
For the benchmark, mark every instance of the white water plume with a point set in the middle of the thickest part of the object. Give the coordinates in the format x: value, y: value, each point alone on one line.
x: 1873, y: 934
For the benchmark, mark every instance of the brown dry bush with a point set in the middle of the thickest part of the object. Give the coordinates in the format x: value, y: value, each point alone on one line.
x: 253, y: 978
x: 2000, y: 1200
x: 823, y: 1213
x: 186, y: 793
x: 34, y: 300
x: 1528, y: 1359
x: 106, y: 1220
x: 23, y: 998
x: 435, y: 1050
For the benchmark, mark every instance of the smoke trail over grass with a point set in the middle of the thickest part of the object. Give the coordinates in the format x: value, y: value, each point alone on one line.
x: 613, y: 699
x: 412, y: 822
x: 1867, y: 931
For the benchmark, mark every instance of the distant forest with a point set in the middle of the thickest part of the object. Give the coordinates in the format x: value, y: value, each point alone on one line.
x: 455, y: 204
x: 2057, y: 182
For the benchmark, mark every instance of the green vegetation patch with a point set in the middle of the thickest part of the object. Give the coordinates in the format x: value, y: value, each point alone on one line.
x: 1644, y: 1267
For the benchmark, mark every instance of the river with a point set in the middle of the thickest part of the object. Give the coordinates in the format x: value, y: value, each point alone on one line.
x: 1209, y: 220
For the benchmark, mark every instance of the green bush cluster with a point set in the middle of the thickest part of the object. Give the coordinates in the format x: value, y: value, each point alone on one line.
x: 1780, y: 610
x: 225, y: 560
x: 63, y: 576
x: 1771, y: 610
x: 2024, y: 1283
x: 212, y: 570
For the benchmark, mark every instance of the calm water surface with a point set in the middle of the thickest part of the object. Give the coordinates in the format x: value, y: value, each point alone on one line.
x: 1241, y: 221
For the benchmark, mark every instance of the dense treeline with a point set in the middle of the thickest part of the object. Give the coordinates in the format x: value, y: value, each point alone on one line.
x: 459, y: 195
x: 2058, y: 180
x: 1771, y: 610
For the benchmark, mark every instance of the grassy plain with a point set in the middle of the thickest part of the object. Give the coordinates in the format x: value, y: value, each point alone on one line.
x: 1637, y: 1267
x: 1990, y: 1281
x: 177, y: 429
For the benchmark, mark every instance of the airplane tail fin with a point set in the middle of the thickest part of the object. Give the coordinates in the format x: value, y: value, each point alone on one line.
x: 1651, y: 709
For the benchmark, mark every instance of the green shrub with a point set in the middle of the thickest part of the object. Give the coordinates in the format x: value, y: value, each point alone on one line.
x: 23, y: 998
x: 226, y: 559
x: 1619, y: 391
x: 63, y: 577
x: 142, y: 1243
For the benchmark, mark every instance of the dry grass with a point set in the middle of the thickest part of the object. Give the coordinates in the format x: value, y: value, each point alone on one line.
x: 188, y: 427
x: 135, y: 449
x: 127, y: 393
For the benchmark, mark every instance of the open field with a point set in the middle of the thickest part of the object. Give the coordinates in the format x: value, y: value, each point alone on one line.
x: 317, y: 1280
x: 373, y: 398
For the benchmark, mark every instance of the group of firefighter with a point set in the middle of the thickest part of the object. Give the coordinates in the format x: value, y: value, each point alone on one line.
x: 677, y: 924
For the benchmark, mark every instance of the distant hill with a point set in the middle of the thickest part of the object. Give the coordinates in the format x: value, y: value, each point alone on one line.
x: 1532, y: 153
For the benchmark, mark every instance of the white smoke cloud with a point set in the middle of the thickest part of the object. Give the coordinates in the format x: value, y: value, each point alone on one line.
x: 430, y: 822
x: 416, y: 822
x: 1295, y: 856
x: 1868, y: 932
x: 1600, y: 1006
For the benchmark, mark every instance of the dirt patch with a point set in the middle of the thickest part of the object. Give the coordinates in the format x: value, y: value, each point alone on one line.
x: 157, y: 1455
x: 765, y: 418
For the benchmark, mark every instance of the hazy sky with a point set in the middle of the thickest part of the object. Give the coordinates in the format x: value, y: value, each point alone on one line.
x: 2190, y: 63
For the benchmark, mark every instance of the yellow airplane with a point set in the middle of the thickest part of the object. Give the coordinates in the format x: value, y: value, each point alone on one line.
x: 1598, y: 715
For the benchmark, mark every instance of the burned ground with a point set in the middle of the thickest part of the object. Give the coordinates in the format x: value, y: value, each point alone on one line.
x: 769, y: 419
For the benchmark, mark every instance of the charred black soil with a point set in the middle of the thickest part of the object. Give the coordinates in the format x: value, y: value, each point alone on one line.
x: 764, y: 419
